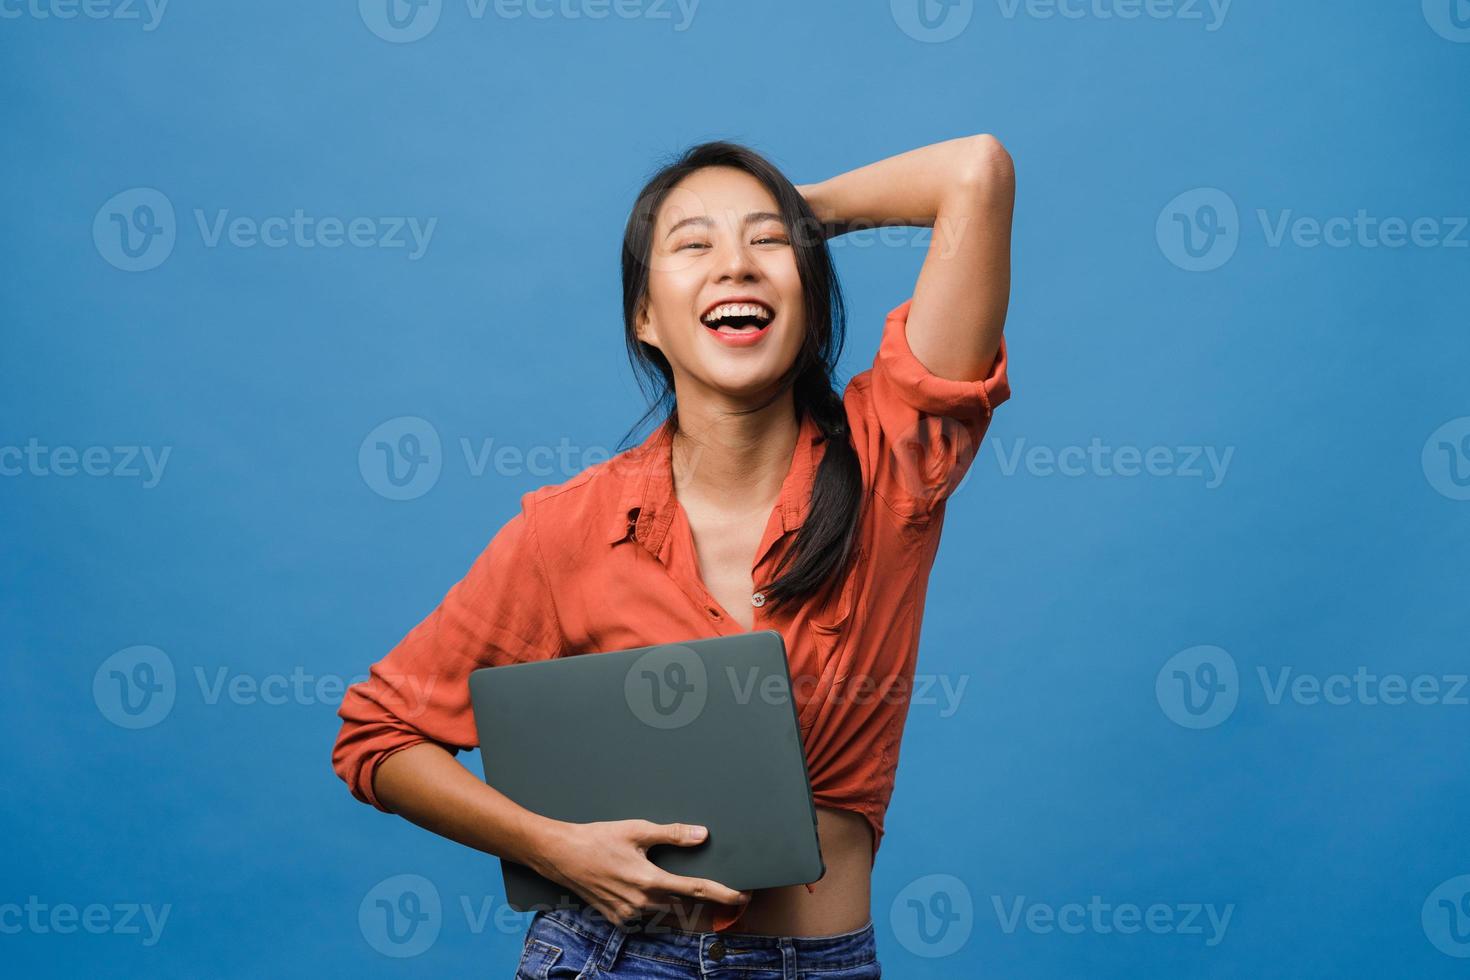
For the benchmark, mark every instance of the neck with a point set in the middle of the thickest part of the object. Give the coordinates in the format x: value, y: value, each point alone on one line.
x: 738, y: 461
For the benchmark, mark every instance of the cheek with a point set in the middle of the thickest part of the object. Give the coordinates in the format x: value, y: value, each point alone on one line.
x: 672, y: 281
x: 794, y: 339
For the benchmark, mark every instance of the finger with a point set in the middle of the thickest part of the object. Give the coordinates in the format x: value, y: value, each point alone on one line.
x: 617, y: 914
x: 711, y: 891
x: 680, y: 834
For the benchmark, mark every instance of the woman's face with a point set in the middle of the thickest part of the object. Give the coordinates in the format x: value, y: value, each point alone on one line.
x: 719, y: 236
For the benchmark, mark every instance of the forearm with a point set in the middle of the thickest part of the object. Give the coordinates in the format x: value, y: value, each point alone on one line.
x: 426, y: 786
x: 913, y: 187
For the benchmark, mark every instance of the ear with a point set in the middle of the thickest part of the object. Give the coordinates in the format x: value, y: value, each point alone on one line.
x: 643, y: 326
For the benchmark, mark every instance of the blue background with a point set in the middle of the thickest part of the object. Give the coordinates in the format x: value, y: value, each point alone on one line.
x: 265, y: 550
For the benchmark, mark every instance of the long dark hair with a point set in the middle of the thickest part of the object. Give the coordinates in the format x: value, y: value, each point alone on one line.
x: 824, y: 542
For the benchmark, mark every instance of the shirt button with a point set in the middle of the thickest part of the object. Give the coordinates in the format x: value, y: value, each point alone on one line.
x: 713, y: 612
x: 717, y: 949
x: 759, y: 599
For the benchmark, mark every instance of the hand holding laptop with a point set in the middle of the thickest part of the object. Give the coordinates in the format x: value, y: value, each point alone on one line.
x: 606, y: 863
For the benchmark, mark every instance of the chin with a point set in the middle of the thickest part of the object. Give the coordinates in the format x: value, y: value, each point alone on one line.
x: 741, y: 388
x: 745, y: 385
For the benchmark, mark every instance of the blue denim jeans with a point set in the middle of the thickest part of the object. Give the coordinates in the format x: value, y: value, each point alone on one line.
x: 567, y: 944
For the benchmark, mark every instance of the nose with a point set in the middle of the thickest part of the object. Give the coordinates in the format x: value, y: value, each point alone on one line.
x: 736, y: 264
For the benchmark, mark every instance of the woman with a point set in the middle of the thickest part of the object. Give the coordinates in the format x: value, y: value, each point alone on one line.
x: 732, y: 310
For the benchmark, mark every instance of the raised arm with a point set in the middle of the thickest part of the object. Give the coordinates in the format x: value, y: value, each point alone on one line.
x: 964, y: 189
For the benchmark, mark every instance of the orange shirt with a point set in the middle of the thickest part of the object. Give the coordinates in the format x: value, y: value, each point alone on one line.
x: 606, y: 561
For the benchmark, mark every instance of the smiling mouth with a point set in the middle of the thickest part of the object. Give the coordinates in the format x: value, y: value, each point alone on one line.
x: 739, y: 318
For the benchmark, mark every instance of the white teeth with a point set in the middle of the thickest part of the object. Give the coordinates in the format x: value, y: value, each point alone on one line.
x: 738, y: 309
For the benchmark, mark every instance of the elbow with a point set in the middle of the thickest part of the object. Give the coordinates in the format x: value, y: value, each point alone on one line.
x: 348, y: 763
x: 355, y: 755
x: 987, y: 168
x: 358, y: 771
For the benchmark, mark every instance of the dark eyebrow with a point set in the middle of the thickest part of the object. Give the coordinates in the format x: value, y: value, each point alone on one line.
x: 753, y: 217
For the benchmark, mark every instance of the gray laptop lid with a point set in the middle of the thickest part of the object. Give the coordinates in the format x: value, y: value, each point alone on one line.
x: 703, y: 732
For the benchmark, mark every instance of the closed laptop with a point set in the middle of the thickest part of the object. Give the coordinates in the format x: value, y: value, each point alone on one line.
x: 703, y: 732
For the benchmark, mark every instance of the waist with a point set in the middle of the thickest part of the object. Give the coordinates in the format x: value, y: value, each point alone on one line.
x: 702, y: 952
x: 839, y: 903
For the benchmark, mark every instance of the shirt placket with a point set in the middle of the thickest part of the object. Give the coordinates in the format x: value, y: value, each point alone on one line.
x: 664, y: 528
x: 686, y: 574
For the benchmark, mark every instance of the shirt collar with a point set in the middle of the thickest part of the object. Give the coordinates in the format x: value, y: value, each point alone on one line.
x: 646, y: 486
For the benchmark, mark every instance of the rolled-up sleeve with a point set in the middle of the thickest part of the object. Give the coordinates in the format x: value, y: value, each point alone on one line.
x: 917, y: 432
x: 501, y: 612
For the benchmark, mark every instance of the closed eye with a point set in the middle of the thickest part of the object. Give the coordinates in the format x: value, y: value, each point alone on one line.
x: 778, y: 240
